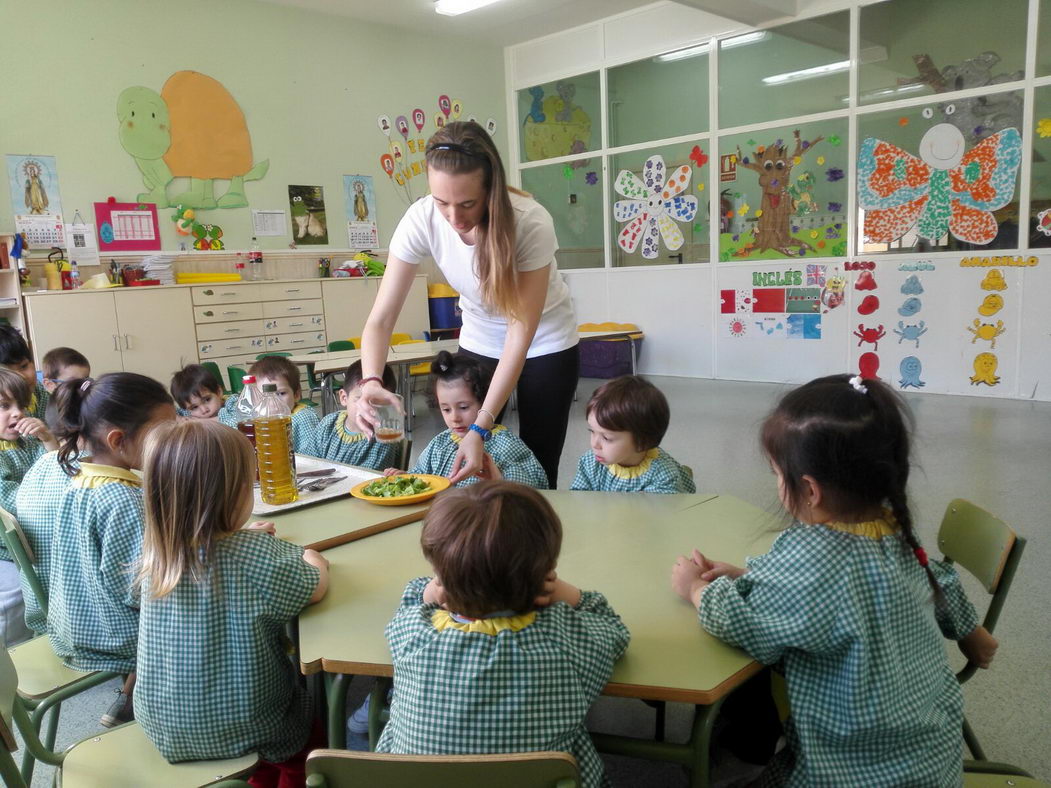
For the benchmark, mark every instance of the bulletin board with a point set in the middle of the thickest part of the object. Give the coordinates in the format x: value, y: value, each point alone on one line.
x: 127, y: 227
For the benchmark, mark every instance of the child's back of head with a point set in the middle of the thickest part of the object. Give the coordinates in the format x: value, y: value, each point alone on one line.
x: 631, y: 404
x: 197, y: 488
x: 491, y: 545
x: 13, y: 347
x: 450, y: 369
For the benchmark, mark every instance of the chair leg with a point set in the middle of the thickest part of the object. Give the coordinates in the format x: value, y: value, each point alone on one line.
x: 28, y: 761
x: 972, y: 741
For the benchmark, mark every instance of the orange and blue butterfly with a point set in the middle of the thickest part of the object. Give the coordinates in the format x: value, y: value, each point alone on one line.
x: 946, y: 189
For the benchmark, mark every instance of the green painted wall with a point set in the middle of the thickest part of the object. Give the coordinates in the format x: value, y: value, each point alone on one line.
x: 311, y: 86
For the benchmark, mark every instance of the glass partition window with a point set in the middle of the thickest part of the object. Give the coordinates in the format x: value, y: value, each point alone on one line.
x: 783, y: 192
x: 940, y: 177
x: 917, y: 48
x: 660, y: 205
x: 1043, y: 40
x: 796, y: 69
x: 560, y: 118
x: 659, y: 97
x: 572, y: 194
x: 1040, y: 185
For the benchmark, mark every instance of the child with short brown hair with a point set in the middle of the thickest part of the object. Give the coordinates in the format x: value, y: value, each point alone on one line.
x: 285, y: 375
x: 61, y: 364
x: 197, y: 393
x: 495, y: 653
x: 627, y: 419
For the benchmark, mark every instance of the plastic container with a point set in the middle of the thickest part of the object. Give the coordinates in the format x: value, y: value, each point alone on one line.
x: 272, y: 421
x: 74, y: 276
x: 255, y: 262
x: 443, y: 307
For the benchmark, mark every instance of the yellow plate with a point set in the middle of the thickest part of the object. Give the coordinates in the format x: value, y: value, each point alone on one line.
x: 438, y: 483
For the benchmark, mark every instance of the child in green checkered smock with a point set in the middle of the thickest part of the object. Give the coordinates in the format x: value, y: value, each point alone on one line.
x: 23, y: 438
x: 461, y: 384
x: 37, y: 502
x: 198, y: 395
x: 627, y: 419
x: 495, y: 654
x: 846, y: 601
x: 285, y: 375
x: 93, y: 617
x: 16, y: 356
x: 214, y: 677
x: 336, y: 437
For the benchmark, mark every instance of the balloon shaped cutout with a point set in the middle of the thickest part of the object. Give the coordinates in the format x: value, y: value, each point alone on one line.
x: 444, y: 105
x: 402, y: 124
x: 439, y: 120
x: 457, y: 109
x: 383, y: 121
x: 490, y: 126
x: 418, y: 119
x: 397, y: 152
x: 387, y: 162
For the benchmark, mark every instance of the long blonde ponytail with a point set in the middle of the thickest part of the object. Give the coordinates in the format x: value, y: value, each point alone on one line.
x: 465, y: 147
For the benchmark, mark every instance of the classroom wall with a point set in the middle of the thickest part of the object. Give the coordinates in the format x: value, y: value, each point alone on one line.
x: 310, y: 85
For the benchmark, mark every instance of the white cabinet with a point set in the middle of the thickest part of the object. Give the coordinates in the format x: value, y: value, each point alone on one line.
x: 349, y: 301
x: 149, y: 331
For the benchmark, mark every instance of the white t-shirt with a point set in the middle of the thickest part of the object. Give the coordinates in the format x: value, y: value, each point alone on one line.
x: 423, y: 232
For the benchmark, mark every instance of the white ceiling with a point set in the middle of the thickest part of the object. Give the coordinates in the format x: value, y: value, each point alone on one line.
x: 501, y: 24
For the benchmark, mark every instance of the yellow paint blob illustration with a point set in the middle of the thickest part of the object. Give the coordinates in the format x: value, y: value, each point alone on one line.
x: 985, y: 365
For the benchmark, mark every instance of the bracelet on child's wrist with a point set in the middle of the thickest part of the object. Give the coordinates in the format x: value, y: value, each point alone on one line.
x: 369, y: 379
x: 486, y: 434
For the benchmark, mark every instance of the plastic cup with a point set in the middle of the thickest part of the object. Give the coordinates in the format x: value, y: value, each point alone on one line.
x: 391, y: 427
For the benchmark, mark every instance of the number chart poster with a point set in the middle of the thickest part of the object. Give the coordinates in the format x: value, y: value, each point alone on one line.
x: 359, y: 199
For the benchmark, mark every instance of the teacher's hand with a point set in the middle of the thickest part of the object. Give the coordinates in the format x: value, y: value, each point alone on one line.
x: 366, y: 419
x: 470, y: 459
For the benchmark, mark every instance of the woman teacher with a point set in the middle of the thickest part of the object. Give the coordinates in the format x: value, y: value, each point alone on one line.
x: 496, y: 247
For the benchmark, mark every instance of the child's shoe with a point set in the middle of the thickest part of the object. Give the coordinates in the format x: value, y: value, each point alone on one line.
x: 122, y: 710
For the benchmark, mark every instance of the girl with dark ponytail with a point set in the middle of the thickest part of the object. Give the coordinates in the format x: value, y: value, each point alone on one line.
x: 93, y: 617
x: 847, y: 600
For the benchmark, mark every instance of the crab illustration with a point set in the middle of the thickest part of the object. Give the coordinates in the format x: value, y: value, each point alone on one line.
x: 912, y: 332
x: 986, y: 331
x: 873, y: 335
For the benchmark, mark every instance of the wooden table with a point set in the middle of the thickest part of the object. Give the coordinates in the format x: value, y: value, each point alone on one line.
x: 332, y: 523
x: 623, y: 544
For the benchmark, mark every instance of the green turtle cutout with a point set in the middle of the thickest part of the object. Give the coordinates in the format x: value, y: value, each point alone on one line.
x: 193, y: 128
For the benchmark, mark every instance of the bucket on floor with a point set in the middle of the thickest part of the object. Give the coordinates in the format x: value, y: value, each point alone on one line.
x: 443, y: 306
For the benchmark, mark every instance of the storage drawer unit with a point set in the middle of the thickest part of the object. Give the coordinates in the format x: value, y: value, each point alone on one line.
x: 291, y: 325
x: 226, y: 313
x: 242, y: 328
x: 290, y: 291
x: 311, y: 306
x: 226, y: 294
x: 249, y: 347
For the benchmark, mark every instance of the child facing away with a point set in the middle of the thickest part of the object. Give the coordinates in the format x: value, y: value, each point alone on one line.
x: 197, y: 393
x: 495, y: 653
x: 627, y: 419
x: 285, y: 375
x: 61, y: 364
x: 844, y: 599
x: 234, y: 590
x: 93, y: 616
x: 16, y: 356
x: 22, y: 440
x: 460, y: 386
x: 336, y: 437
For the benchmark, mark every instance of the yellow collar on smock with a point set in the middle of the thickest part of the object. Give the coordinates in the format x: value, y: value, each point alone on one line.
x: 634, y: 471
x: 92, y: 475
x: 443, y: 619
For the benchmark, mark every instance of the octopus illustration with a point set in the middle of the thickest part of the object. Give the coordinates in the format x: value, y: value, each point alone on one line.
x: 985, y: 365
x: 910, y: 369
x: 868, y: 366
x: 986, y: 331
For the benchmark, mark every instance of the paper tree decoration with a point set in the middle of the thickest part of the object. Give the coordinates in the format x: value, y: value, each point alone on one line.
x: 652, y: 207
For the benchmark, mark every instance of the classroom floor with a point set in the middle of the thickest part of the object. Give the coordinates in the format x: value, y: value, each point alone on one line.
x: 996, y: 453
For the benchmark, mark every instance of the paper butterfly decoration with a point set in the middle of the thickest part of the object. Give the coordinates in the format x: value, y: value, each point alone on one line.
x: 944, y: 190
x: 653, y: 206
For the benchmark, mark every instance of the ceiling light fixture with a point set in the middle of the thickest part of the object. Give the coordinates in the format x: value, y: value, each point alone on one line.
x: 457, y: 7
x: 807, y: 73
x: 702, y: 49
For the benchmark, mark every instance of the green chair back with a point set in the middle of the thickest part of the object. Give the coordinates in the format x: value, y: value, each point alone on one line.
x: 19, y: 548
x: 236, y: 373
x: 212, y: 367
x: 344, y: 768
x: 340, y: 344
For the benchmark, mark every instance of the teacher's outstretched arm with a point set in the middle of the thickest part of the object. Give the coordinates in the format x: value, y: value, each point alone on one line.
x: 375, y: 339
x: 532, y: 291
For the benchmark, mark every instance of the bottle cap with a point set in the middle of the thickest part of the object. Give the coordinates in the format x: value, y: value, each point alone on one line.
x: 248, y: 379
x: 269, y: 387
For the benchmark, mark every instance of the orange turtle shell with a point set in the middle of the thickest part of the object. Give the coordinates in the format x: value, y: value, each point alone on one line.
x: 209, y: 135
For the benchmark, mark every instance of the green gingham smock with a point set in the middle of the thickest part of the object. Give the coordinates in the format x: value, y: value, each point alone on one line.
x: 38, y: 402
x: 214, y: 675
x: 333, y: 441
x: 849, y: 611
x: 93, y: 617
x: 516, y: 460
x: 38, y: 500
x: 657, y: 473
x: 511, y: 684
x: 16, y: 458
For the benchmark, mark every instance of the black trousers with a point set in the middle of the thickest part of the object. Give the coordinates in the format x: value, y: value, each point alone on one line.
x: 545, y: 396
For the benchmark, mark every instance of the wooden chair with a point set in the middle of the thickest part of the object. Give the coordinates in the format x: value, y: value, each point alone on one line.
x: 343, y: 769
x: 212, y: 367
x: 337, y: 345
x: 120, y: 758
x: 45, y: 681
x: 986, y: 547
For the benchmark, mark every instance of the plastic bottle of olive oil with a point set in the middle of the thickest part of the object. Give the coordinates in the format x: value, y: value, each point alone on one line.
x: 273, y: 448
